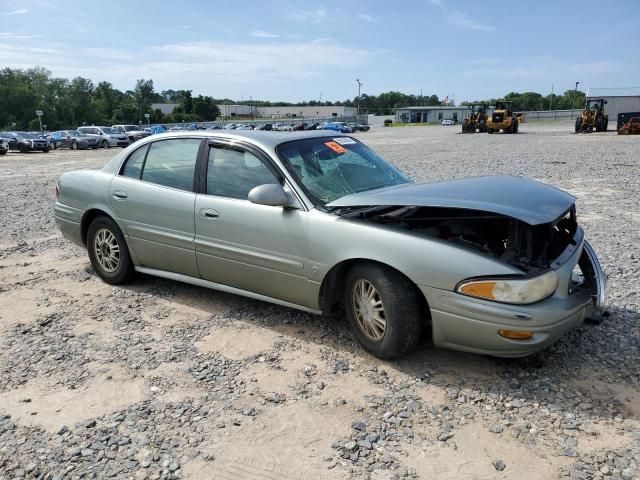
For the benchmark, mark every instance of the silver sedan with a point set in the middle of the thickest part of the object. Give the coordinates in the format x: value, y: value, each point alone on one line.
x: 318, y: 221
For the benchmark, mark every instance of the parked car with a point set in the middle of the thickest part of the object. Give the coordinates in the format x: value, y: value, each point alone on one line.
x: 4, y: 146
x: 447, y: 122
x: 266, y: 126
x: 108, y: 137
x: 312, y: 126
x: 134, y: 132
x: 312, y: 220
x: 341, y: 127
x: 299, y: 127
x: 72, y: 139
x: 25, y: 141
x: 359, y: 127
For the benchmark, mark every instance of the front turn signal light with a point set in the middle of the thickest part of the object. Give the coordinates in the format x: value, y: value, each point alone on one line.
x: 515, y: 334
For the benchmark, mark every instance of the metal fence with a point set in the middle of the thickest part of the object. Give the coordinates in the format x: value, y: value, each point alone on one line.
x: 550, y: 115
x: 259, y: 122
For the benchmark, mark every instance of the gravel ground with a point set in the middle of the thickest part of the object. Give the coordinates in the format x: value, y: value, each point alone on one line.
x: 163, y: 380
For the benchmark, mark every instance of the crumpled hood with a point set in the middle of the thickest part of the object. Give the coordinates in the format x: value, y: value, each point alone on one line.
x: 517, y: 197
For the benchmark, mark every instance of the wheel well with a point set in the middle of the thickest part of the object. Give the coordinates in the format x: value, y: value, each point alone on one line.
x: 332, y: 287
x: 90, y: 216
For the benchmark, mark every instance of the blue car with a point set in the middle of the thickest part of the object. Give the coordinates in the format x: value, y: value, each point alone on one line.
x: 341, y: 127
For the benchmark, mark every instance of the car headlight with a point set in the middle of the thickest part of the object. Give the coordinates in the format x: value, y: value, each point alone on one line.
x: 516, y: 291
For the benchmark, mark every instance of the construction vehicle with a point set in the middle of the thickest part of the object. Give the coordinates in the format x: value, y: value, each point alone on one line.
x: 593, y: 117
x: 632, y: 127
x: 503, y: 118
x: 477, y: 119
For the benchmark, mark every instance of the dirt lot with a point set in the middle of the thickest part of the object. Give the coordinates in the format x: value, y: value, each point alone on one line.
x: 163, y: 380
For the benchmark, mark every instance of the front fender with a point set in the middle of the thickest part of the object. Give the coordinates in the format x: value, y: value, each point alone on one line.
x: 424, y: 260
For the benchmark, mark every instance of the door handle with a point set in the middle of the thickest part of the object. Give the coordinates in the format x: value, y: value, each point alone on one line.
x: 209, y: 213
x: 120, y: 195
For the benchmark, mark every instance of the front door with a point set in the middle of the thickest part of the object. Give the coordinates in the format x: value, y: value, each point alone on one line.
x: 154, y: 197
x: 257, y: 248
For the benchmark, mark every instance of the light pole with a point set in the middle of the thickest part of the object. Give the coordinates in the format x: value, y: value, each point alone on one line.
x: 575, y: 94
x: 358, y: 103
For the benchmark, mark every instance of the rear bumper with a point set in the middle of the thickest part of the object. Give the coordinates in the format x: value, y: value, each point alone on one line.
x: 68, y: 220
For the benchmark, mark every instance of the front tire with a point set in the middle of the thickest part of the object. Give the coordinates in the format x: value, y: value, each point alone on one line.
x: 578, y: 124
x: 108, y: 251
x: 104, y: 144
x: 74, y: 146
x: 384, y: 310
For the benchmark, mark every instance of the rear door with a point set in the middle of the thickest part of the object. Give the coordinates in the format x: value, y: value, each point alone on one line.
x: 154, y: 196
x: 258, y: 248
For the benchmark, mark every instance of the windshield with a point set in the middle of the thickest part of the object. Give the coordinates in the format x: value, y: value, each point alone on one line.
x: 77, y: 133
x: 27, y: 135
x: 329, y: 168
x: 108, y: 130
x: 131, y: 128
x: 593, y: 105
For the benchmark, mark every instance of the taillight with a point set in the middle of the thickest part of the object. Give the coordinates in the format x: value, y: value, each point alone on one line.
x: 57, y: 190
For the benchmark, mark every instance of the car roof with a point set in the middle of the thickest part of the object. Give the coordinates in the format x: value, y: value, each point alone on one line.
x: 265, y: 138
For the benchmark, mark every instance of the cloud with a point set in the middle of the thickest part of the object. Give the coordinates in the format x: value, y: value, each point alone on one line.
x: 263, y: 34
x: 17, y: 12
x: 460, y: 18
x: 367, y: 18
x: 20, y: 36
x: 318, y: 15
x: 268, y: 68
x: 544, y: 68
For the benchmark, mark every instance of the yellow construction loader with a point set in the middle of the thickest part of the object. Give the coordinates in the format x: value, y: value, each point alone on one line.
x: 593, y: 117
x: 477, y: 119
x: 503, y: 119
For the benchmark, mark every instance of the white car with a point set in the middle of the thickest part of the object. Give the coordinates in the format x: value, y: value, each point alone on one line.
x: 108, y: 136
x: 447, y: 122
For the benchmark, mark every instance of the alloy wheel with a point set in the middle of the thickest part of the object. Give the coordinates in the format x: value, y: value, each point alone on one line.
x: 107, y: 250
x: 368, y: 310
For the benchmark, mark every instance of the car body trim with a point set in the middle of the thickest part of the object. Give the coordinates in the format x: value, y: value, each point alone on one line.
x: 222, y: 288
x: 238, y: 254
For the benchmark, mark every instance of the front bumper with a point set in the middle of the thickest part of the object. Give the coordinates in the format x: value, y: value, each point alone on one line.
x: 470, y: 324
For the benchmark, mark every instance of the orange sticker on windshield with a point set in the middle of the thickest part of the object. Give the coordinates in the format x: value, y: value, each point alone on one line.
x: 336, y: 147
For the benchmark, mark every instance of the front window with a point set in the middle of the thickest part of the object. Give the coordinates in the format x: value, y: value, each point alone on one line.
x: 329, y: 168
x: 233, y: 172
x: 108, y: 131
x: 27, y: 135
x: 131, y: 128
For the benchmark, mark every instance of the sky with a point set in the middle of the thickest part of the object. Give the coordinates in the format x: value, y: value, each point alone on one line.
x: 297, y: 50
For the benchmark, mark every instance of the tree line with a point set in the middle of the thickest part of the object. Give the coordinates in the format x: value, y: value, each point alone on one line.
x: 70, y: 103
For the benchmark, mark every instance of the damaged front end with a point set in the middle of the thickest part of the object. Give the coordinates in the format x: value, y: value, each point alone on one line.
x: 533, y: 249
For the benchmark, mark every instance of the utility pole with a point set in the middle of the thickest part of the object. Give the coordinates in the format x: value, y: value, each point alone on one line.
x: 551, y: 97
x: 358, y: 104
x: 575, y: 95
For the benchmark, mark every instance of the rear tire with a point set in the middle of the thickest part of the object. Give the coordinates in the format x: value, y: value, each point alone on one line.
x: 74, y: 146
x: 384, y: 310
x: 104, y: 144
x: 108, y: 251
x: 515, y: 126
x: 578, y: 124
x: 489, y: 130
x: 483, y: 126
x: 46, y: 150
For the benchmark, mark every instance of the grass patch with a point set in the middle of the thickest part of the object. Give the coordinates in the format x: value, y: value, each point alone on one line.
x: 429, y: 124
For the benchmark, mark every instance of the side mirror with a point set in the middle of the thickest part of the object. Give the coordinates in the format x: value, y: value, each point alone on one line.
x: 270, y: 194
